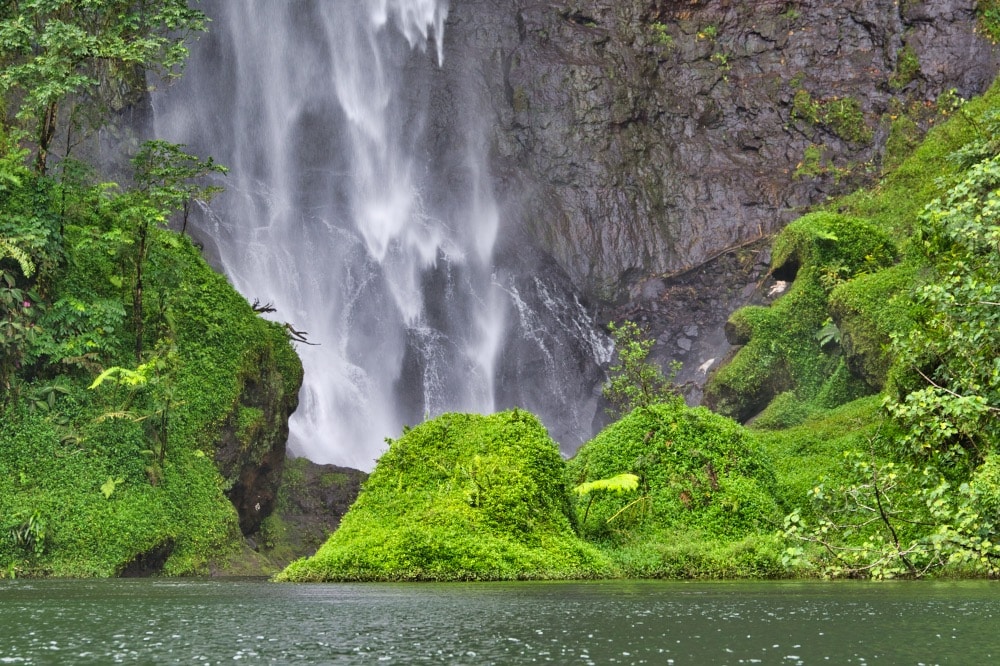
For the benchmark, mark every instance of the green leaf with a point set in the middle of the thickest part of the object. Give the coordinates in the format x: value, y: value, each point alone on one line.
x: 622, y: 483
x: 108, y: 487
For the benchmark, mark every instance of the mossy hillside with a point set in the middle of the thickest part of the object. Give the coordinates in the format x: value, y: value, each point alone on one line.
x: 705, y: 502
x: 813, y: 451
x: 874, y: 495
x: 868, y: 311
x: 783, y: 348
x: 460, y: 497
x: 894, y: 203
x: 106, y: 477
x: 853, y: 268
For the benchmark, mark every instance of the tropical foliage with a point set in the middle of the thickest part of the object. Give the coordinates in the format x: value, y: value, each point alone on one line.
x: 123, y: 356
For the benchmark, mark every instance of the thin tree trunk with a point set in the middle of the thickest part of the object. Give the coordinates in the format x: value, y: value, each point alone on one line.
x: 46, y: 131
x: 140, y: 259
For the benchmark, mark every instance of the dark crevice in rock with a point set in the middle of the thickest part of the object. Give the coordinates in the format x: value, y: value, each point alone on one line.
x: 150, y: 562
x: 787, y: 271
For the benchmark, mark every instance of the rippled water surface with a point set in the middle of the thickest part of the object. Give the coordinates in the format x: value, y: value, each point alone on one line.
x: 227, y: 621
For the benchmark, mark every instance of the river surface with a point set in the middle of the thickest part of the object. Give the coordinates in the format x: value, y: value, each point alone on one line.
x: 233, y: 621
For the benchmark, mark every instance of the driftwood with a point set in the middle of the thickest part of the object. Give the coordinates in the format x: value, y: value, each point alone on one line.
x: 293, y: 333
x: 260, y: 309
x: 299, y: 336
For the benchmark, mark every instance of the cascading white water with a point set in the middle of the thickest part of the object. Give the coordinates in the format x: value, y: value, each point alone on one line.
x: 334, y: 214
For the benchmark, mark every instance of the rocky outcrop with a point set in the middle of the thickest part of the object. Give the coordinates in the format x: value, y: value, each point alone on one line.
x: 642, y: 147
x: 642, y: 138
x: 251, y: 447
x: 312, y: 500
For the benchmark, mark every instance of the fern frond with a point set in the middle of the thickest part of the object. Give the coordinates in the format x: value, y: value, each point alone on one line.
x: 8, y: 249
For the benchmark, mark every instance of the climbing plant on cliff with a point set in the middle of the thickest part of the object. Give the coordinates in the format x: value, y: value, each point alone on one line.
x: 60, y: 57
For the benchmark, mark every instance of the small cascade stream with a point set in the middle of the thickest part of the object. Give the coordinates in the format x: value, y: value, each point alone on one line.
x: 338, y: 212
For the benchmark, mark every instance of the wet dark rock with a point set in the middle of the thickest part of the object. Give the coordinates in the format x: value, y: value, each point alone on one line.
x: 310, y: 504
x: 634, y: 143
x: 319, y: 494
x: 250, y: 452
x: 149, y: 563
x: 651, y: 136
x: 312, y: 501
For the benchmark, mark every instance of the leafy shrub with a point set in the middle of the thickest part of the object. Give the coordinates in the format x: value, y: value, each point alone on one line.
x: 634, y: 381
x: 952, y: 399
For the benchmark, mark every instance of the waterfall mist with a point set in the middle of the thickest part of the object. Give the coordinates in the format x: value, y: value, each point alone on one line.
x: 341, y: 211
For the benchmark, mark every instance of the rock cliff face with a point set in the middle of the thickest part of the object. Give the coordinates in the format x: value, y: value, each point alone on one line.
x: 643, y: 146
x: 640, y: 138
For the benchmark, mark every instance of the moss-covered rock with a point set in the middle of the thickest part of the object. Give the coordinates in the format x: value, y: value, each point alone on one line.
x: 704, y: 505
x: 116, y: 479
x: 460, y: 497
x: 785, y: 347
x: 695, y: 468
x: 311, y: 501
x: 868, y: 310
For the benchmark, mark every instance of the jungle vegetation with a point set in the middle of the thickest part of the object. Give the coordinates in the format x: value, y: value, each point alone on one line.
x: 854, y: 433
x: 122, y: 354
x: 870, y: 393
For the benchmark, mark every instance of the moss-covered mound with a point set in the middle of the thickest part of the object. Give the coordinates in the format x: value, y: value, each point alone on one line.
x: 125, y: 477
x: 791, y: 347
x: 704, y: 503
x: 460, y: 497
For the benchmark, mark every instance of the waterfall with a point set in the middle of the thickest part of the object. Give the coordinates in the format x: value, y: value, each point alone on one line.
x: 341, y: 212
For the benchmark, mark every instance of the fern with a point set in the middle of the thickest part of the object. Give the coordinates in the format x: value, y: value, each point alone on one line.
x: 9, y: 249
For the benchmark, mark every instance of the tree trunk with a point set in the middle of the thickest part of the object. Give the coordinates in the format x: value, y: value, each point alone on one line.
x: 140, y: 259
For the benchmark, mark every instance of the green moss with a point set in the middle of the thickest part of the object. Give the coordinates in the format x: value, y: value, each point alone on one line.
x: 840, y: 115
x: 988, y: 12
x: 782, y: 352
x: 927, y: 173
x: 804, y: 455
x: 461, y: 497
x: 811, y: 164
x: 248, y: 421
x: 823, y: 241
x: 784, y: 411
x: 904, y: 136
x: 660, y: 34
x: 155, y: 443
x: 869, y: 310
x: 703, y: 504
x: 845, y: 118
x: 907, y: 68
x: 804, y: 107
x: 691, y: 554
x: 792, y: 408
x: 88, y: 534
